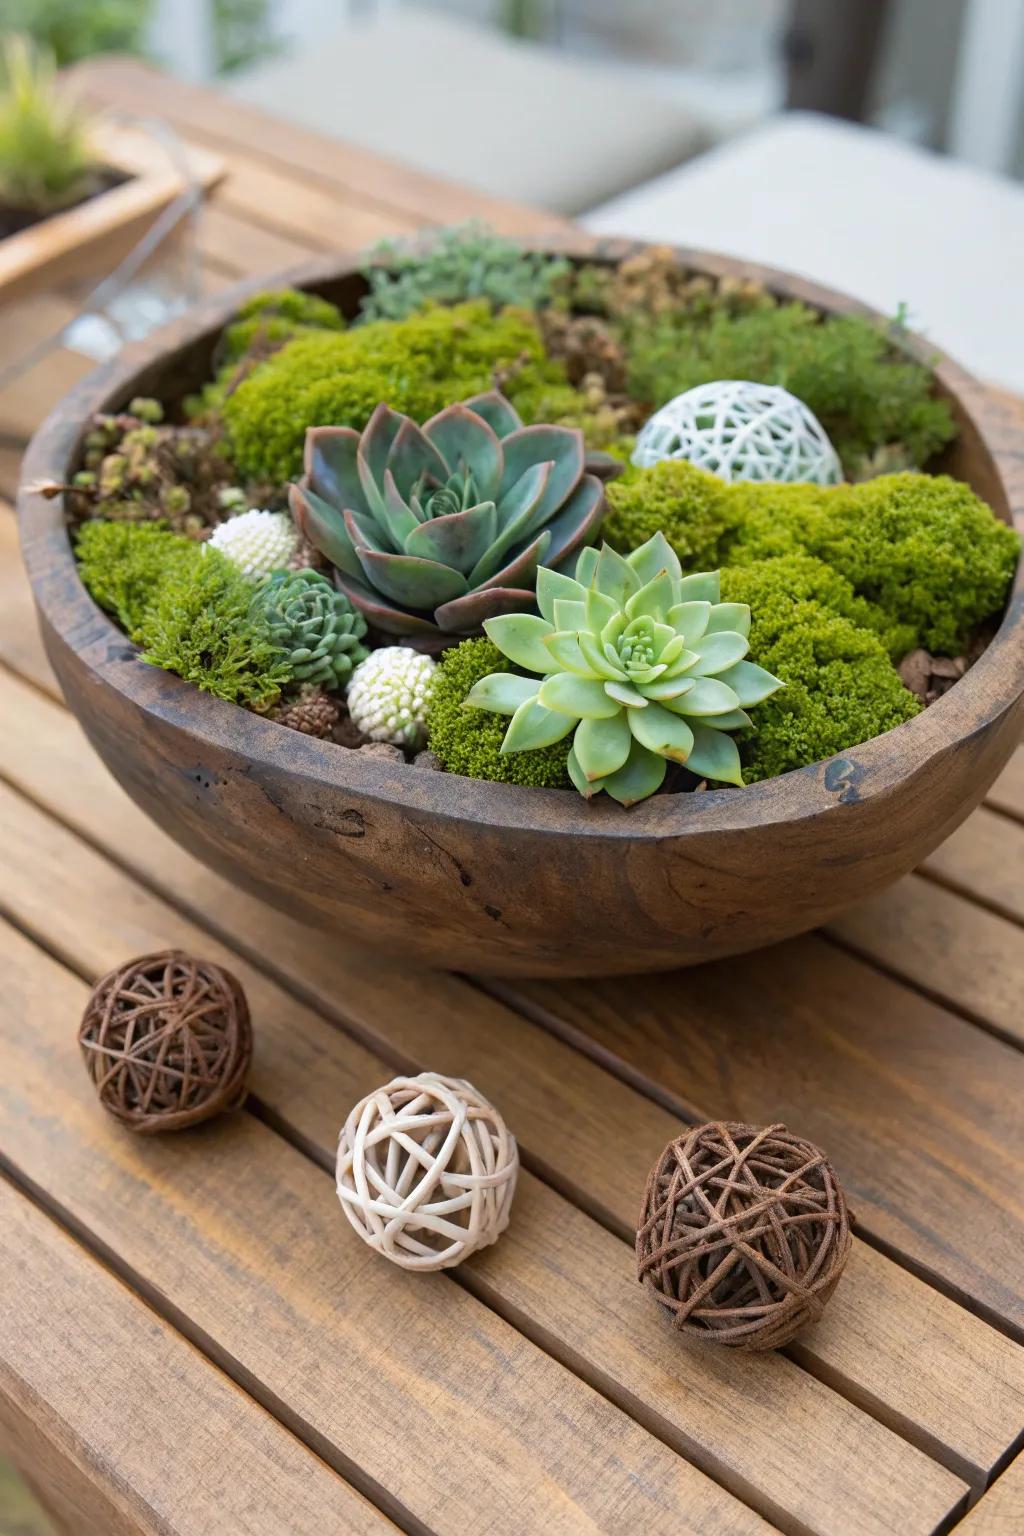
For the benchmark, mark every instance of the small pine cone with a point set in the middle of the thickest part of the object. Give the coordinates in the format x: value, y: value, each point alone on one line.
x: 314, y: 713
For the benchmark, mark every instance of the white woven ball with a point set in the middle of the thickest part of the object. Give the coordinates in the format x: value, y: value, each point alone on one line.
x: 389, y: 695
x: 741, y: 431
x: 426, y: 1171
x: 257, y: 542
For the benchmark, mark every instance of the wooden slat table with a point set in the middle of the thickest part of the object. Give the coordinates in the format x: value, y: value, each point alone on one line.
x: 192, y: 1339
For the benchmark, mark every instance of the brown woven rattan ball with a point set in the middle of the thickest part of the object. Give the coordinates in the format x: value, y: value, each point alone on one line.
x: 743, y: 1235
x: 167, y: 1041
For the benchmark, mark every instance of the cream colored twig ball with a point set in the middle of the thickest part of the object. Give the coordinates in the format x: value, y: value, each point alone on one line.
x: 426, y: 1171
x: 741, y: 431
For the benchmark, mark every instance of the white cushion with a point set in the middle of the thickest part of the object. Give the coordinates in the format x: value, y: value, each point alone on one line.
x: 509, y: 118
x: 862, y: 212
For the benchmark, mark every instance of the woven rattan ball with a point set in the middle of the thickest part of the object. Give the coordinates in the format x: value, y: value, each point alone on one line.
x: 741, y: 431
x: 167, y: 1041
x: 743, y: 1235
x: 426, y: 1171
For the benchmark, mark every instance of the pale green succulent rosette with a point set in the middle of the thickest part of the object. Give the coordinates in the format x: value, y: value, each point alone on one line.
x: 639, y: 663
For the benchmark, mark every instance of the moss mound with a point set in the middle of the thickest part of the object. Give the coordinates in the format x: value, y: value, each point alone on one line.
x: 418, y: 365
x: 922, y: 550
x: 841, y: 687
x: 468, y: 741
x: 186, y: 606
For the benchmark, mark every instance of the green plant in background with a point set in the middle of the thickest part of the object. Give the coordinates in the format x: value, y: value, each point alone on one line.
x: 46, y: 162
x: 74, y: 29
x: 844, y: 368
x: 468, y: 261
x: 242, y: 34
x: 419, y: 365
x: 186, y: 606
x: 924, y: 550
x: 840, y: 685
x: 468, y: 741
x: 525, y: 18
x: 434, y: 529
x: 638, y: 663
x: 313, y: 624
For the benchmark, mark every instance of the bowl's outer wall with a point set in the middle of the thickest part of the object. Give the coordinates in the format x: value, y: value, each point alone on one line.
x: 487, y: 877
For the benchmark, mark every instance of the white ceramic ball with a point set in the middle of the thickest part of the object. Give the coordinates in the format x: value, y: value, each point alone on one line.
x: 426, y: 1171
x: 741, y: 431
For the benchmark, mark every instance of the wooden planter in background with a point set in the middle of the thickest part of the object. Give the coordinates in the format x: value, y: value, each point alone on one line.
x: 87, y: 242
x: 494, y: 878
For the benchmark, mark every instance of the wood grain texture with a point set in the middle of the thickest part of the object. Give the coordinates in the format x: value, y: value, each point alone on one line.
x: 101, y: 1399
x: 1007, y: 793
x: 984, y: 860
x: 560, y: 1277
x: 1001, y: 1511
x: 888, y: 1340
x: 87, y: 241
x: 918, y: 1109
x: 948, y: 946
x: 915, y: 1358
x: 409, y: 196
x: 457, y: 1422
x: 450, y: 868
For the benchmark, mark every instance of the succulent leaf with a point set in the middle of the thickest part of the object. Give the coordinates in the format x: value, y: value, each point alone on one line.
x: 521, y: 637
x: 630, y: 664
x: 447, y: 525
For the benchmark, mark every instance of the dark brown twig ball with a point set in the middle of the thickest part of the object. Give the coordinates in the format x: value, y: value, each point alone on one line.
x: 167, y: 1041
x: 743, y: 1235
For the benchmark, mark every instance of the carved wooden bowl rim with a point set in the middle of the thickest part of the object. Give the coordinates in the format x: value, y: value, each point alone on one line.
x: 874, y: 769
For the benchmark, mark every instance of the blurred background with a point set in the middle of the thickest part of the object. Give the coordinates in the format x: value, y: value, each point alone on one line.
x: 945, y: 74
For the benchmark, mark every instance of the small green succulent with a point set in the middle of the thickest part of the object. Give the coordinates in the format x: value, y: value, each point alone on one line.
x: 639, y: 663
x: 313, y: 624
x: 435, y: 528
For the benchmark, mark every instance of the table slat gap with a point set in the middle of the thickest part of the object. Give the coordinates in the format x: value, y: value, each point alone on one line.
x: 500, y: 1264
x: 261, y: 960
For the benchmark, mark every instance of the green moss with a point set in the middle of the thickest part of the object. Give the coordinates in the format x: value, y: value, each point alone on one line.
x: 841, y: 688
x: 865, y: 393
x: 186, y: 606
x: 467, y: 262
x: 200, y: 625
x: 418, y: 366
x: 123, y: 565
x: 923, y: 550
x: 276, y: 316
x: 468, y: 741
x: 693, y: 509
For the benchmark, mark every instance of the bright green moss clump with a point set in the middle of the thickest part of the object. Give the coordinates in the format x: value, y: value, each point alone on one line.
x: 864, y: 392
x: 468, y: 741
x: 418, y: 366
x: 840, y: 686
x: 124, y: 564
x: 693, y: 509
x: 186, y: 606
x: 271, y: 318
x: 922, y: 550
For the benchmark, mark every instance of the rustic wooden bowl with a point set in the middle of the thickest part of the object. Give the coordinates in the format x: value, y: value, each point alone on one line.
x: 493, y: 878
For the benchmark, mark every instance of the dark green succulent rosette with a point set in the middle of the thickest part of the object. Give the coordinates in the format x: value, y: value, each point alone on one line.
x: 434, y: 529
x: 314, y: 625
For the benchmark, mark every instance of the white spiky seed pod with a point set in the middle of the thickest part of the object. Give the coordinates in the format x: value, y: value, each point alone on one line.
x: 257, y: 542
x: 389, y: 695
